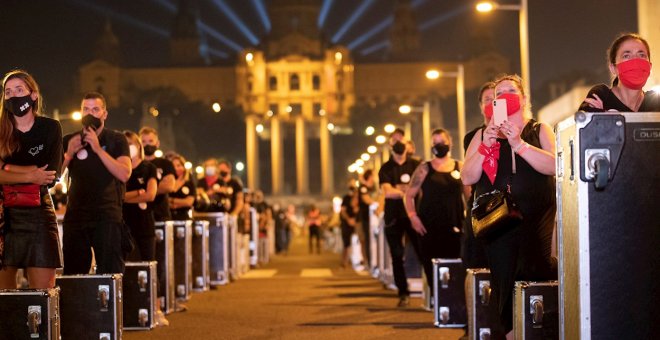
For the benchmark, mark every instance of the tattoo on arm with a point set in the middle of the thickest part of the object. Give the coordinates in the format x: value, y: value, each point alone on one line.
x: 418, y: 177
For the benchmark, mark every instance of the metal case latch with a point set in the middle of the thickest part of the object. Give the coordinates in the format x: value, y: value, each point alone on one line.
x: 104, y: 297
x: 444, y: 277
x: 536, y: 309
x: 484, y: 292
x: 34, y: 320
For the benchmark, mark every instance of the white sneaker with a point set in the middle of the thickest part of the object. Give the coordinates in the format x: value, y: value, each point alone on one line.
x: 160, y: 319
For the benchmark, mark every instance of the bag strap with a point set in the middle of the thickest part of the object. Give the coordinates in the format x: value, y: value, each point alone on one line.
x: 513, y: 171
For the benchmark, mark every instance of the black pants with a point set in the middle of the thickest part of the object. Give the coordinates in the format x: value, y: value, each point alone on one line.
x: 394, y: 231
x: 105, y: 237
x: 367, y: 240
x: 315, y: 233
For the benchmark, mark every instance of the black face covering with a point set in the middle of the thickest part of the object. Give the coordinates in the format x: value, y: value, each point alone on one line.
x: 19, y: 106
x: 91, y: 121
x: 440, y: 150
x: 399, y: 148
x: 223, y: 173
x: 150, y: 150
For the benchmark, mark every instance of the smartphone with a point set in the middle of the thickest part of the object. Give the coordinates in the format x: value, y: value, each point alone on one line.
x: 499, y: 111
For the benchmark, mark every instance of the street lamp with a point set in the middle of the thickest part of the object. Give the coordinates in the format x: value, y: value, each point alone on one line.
x: 487, y: 6
x: 389, y: 128
x: 380, y: 139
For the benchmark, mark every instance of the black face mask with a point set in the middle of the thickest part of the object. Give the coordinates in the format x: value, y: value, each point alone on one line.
x: 223, y: 173
x: 399, y: 148
x: 149, y: 150
x: 91, y: 121
x: 440, y: 150
x: 19, y: 106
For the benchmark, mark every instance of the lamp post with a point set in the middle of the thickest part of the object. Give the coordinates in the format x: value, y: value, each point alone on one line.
x: 487, y: 6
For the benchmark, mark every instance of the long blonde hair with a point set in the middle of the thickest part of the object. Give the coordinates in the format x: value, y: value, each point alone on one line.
x: 8, y: 139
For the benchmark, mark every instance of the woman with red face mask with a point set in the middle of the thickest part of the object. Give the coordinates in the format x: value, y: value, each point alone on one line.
x: 628, y: 61
x: 518, y: 157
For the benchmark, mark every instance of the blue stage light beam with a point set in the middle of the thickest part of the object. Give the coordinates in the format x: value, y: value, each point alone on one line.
x: 370, y: 33
x: 231, y: 15
x: 351, y: 20
x: 376, y: 47
x: 417, y: 3
x: 263, y: 14
x: 108, y: 12
x: 218, y: 36
x: 217, y: 53
x: 442, y: 18
x: 325, y: 10
x: 167, y: 5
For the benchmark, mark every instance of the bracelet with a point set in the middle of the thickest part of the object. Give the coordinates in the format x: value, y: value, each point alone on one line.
x: 518, y: 149
x: 67, y: 157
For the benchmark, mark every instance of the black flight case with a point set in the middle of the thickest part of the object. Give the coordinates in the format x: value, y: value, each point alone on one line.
x: 139, y: 284
x: 30, y: 314
x: 449, y: 293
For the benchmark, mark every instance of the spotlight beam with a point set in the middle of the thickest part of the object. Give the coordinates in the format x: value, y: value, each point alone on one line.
x: 325, y: 10
x: 218, y: 36
x: 105, y: 11
x: 217, y: 53
x: 442, y: 18
x: 375, y: 47
x: 168, y: 5
x: 351, y: 20
x: 233, y: 17
x: 263, y: 14
x: 417, y: 3
x: 373, y: 31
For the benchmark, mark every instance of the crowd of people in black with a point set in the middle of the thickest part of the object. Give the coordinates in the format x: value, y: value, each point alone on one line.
x: 118, y: 188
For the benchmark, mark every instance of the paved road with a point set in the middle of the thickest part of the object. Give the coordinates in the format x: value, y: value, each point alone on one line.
x: 299, y: 296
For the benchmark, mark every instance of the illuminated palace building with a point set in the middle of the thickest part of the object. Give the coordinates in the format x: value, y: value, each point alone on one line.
x: 292, y: 86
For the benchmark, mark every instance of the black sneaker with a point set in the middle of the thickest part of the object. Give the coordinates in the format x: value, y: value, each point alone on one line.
x: 404, y: 301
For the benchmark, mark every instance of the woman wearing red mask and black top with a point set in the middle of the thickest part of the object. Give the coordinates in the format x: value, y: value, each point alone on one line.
x: 628, y: 60
x: 518, y: 154
x: 183, y: 197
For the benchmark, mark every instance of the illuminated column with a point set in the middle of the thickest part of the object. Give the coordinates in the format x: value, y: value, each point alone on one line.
x: 276, y: 155
x: 327, y: 173
x: 252, y: 152
x: 302, y: 166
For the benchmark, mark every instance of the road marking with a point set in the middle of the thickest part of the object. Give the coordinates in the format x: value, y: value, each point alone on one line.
x: 260, y: 274
x: 316, y: 272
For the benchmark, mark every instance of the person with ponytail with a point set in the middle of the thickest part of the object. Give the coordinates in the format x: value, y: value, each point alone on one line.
x: 628, y: 60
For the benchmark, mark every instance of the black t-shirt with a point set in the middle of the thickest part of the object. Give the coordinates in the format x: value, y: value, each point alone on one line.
x: 139, y: 216
x: 651, y: 102
x: 394, y: 173
x: 348, y: 206
x: 218, y: 201
x: 94, y: 193
x: 236, y: 187
x: 161, y: 204
x: 39, y: 146
x: 364, y: 207
x: 188, y: 189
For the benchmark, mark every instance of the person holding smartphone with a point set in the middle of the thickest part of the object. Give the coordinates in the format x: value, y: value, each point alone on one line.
x: 517, y: 156
x: 628, y: 61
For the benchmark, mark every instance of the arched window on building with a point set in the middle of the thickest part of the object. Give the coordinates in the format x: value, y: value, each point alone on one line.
x: 294, y: 82
x: 272, y: 83
x: 316, y: 82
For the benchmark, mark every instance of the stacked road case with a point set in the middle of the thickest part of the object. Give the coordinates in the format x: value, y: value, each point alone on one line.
x: 449, y: 293
x: 477, y: 291
x: 30, y: 314
x: 139, y: 286
x: 165, y: 258
x: 182, y: 259
x: 200, y: 256
x: 608, y: 224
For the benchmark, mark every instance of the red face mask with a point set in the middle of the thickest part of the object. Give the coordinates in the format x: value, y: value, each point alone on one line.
x: 512, y: 104
x: 633, y: 73
x: 488, y: 111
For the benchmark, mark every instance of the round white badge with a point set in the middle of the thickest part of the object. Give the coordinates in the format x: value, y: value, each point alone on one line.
x: 405, y: 178
x: 230, y: 190
x: 185, y: 190
x: 82, y: 154
x: 159, y: 174
x: 216, y: 186
x: 363, y: 190
x: 456, y: 174
x: 142, y: 206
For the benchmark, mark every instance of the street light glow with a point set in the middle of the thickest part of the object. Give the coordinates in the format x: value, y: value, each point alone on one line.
x: 485, y: 6
x: 389, y: 128
x: 359, y: 162
x: 404, y: 110
x: 76, y: 115
x: 380, y: 139
x: 249, y: 57
x: 352, y: 168
x: 240, y: 166
x: 365, y: 157
x: 432, y: 74
x: 372, y: 149
x: 188, y: 165
x: 259, y: 128
x: 331, y: 126
x: 216, y: 107
x: 370, y: 130
x: 199, y: 170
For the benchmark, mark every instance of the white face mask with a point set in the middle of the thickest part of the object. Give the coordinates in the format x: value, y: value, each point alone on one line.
x: 210, y: 171
x: 133, y: 150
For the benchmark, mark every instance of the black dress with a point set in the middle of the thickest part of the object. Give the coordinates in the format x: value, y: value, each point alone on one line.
x: 651, y: 102
x: 522, y: 252
x: 441, y: 211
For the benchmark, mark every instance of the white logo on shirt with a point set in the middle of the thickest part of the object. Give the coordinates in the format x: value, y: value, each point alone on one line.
x: 185, y: 190
x: 140, y: 180
x: 456, y: 174
x: 35, y: 150
x: 405, y: 178
x: 159, y: 174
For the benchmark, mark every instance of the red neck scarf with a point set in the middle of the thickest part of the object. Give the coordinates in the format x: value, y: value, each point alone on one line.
x: 492, y: 155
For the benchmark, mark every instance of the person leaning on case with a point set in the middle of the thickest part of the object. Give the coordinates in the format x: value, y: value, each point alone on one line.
x: 628, y: 61
x: 99, y: 165
x: 521, y: 251
x: 31, y: 150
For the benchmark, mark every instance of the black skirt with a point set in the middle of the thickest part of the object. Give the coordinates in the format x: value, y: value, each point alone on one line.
x: 31, y: 238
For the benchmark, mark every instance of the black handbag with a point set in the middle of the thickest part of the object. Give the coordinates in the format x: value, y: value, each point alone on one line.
x: 495, y: 211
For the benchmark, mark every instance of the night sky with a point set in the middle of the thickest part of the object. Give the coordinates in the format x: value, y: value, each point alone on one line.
x: 51, y: 38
